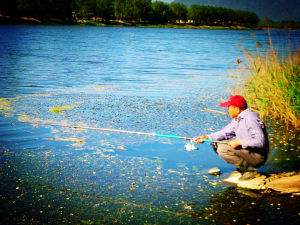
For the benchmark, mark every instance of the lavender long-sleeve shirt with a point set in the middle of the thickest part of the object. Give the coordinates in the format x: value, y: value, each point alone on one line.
x: 248, y: 128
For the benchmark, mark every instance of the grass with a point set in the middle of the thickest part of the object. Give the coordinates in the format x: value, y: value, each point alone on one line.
x: 271, y: 85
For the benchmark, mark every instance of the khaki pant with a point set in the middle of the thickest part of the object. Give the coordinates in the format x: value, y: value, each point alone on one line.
x: 243, y: 159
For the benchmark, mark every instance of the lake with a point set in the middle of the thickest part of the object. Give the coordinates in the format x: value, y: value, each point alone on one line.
x: 137, y: 79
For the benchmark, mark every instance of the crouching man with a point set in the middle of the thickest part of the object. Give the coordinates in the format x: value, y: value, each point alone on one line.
x: 249, y: 149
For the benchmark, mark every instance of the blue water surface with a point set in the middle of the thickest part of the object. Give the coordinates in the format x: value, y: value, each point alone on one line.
x: 136, y: 79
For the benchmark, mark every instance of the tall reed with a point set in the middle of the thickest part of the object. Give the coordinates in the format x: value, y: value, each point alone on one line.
x: 271, y: 84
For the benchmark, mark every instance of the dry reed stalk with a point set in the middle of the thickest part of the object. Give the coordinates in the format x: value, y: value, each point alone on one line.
x: 271, y: 86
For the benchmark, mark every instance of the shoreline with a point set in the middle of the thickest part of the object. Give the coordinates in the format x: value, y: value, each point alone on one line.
x: 7, y: 20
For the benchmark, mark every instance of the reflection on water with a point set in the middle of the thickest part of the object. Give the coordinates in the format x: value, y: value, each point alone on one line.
x: 285, y: 148
x: 151, y: 80
x: 237, y: 206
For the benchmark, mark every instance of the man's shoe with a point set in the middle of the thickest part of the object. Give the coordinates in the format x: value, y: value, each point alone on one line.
x: 248, y: 175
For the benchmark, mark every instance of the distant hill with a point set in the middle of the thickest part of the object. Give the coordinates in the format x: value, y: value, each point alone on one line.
x: 277, y: 10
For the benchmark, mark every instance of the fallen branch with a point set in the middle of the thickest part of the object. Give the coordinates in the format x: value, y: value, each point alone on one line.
x: 214, y: 111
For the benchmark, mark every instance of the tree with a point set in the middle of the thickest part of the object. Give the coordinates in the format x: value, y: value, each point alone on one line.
x: 60, y: 9
x: 104, y: 9
x: 197, y: 13
x: 141, y: 9
x: 8, y: 7
x: 160, y: 13
x: 179, y: 11
x: 210, y: 14
x: 251, y: 19
x: 82, y: 7
x: 121, y: 9
x: 221, y: 16
x: 30, y: 8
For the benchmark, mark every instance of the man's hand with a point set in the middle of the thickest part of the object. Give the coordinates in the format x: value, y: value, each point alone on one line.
x: 235, y: 143
x: 199, y: 138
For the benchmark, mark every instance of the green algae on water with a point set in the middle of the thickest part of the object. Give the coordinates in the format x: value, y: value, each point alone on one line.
x: 62, y: 108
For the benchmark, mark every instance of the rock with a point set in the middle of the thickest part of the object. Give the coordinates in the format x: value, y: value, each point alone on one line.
x: 257, y: 183
x: 214, y: 171
x: 285, y: 183
x: 290, y: 184
x: 233, y: 178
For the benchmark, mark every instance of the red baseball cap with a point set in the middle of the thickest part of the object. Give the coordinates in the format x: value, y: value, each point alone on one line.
x: 236, y: 100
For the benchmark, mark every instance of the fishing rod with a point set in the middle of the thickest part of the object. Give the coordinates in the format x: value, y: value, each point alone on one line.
x: 189, y: 146
x: 124, y: 131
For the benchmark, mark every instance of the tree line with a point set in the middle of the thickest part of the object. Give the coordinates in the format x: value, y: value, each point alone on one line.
x: 144, y: 11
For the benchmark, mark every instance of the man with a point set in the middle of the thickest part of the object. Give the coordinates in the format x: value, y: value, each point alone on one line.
x: 249, y: 149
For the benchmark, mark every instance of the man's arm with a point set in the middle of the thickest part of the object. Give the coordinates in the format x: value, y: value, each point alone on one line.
x: 225, y: 133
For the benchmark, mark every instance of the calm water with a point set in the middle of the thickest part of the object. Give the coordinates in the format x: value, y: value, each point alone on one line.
x: 151, y: 80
